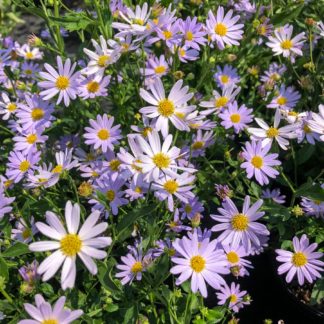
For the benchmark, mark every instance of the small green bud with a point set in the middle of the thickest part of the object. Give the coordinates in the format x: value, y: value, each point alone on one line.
x: 297, y: 211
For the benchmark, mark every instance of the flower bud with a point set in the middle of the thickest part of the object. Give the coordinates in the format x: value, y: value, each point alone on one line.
x: 195, y: 220
x: 297, y: 211
x: 310, y: 21
x: 85, y: 189
x: 178, y: 75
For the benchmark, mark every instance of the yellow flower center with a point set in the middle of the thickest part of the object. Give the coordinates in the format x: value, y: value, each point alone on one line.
x: 94, y: 174
x: 197, y: 145
x: 29, y: 55
x: 224, y: 78
x: 286, y: 44
x: 138, y: 190
x: 103, y: 134
x: 272, y: 132
x: 31, y: 138
x: 235, y: 118
x: 28, y: 71
x: 26, y: 233
x: 171, y: 186
x: 146, y: 131
x: 281, y: 101
x: 189, y: 35
x: 167, y: 34
x: 159, y: 69
x: 182, y: 52
x: 220, y: 29
x: 114, y: 164
x: 24, y: 166
x: 102, y: 60
x: 138, y: 21
x: 292, y: 113
x: 50, y: 321
x: 137, y: 267
x: 257, y: 161
x: 37, y: 114
x: 221, y: 102
x: 8, y: 183
x: 197, y: 263
x: 233, y: 299
x: 85, y: 189
x: 240, y: 222
x: 93, y: 86
x: 110, y: 194
x: 161, y: 160
x: 232, y: 257
x: 299, y: 259
x: 71, y: 244
x: 166, y: 107
x: 90, y: 157
x: 188, y: 209
x: 12, y: 107
x: 62, y: 82
x: 261, y: 30
x: 58, y: 169
x: 307, y: 129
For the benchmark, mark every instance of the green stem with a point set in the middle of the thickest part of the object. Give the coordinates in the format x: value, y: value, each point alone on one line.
x: 288, y: 182
x: 101, y: 22
x: 7, y: 130
x: 4, y: 293
x: 187, y: 305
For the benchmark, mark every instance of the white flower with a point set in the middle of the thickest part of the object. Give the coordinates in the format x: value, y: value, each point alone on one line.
x: 69, y: 244
x: 267, y: 134
x: 317, y: 123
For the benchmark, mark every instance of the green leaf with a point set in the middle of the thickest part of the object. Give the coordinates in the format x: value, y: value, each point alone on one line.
x: 215, y: 315
x: 47, y: 289
x: 285, y: 16
x: 73, y: 21
x: 130, y: 315
x: 305, y: 153
x: 104, y: 276
x: 317, y: 292
x: 16, y: 250
x: 4, y: 269
x: 311, y: 191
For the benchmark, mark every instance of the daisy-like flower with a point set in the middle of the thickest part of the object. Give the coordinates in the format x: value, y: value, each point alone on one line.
x: 259, y: 163
x: 283, y: 43
x: 157, y: 160
x: 179, y: 186
x: 274, y: 194
x: 236, y: 117
x: 93, y: 87
x: 220, y: 100
x: 192, y: 32
x: 156, y: 67
x: 320, y: 28
x: 35, y: 113
x: 5, y: 202
x: 223, y: 29
x: 64, y: 161
x: 186, y: 54
x: 240, y: 228
x: 29, y: 272
x: 226, y: 76
x: 200, y: 142
x: 316, y: 124
x: 191, y: 208
x: 287, y: 98
x: 173, y: 108
x: 313, y: 207
x: 23, y: 232
x: 199, y: 260
x: 135, y: 21
x: 84, y: 243
x: 19, y: 164
x: 101, y: 58
x: 133, y: 266
x: 273, y: 74
x: 267, y: 134
x: 42, y: 177
x: 29, y: 53
x: 62, y: 82
x: 303, y: 130
x: 29, y: 69
x: 137, y: 188
x: 168, y: 34
x: 176, y: 224
x: 223, y: 191
x: 26, y: 141
x: 234, y: 295
x: 304, y: 261
x: 7, y: 106
x: 43, y: 313
x: 265, y: 29
x: 102, y: 134
x: 110, y: 186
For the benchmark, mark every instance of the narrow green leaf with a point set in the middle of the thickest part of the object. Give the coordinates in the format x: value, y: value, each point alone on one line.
x: 16, y: 250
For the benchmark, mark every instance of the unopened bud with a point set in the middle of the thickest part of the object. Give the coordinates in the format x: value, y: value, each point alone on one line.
x: 85, y: 189
x: 195, y: 220
x: 178, y: 75
x: 297, y: 211
x: 310, y: 21
x: 231, y: 57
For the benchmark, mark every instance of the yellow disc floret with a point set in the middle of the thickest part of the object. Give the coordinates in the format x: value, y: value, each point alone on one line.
x: 71, y: 244
x: 161, y: 160
x: 197, y: 263
x: 240, y: 222
x: 166, y: 107
x: 62, y: 82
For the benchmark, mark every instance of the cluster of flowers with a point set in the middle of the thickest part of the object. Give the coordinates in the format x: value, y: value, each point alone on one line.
x: 151, y: 162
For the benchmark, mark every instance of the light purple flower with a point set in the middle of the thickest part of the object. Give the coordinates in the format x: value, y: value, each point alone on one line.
x: 62, y: 81
x: 29, y: 53
x: 200, y: 142
x: 304, y: 131
x: 259, y: 163
x: 64, y: 161
x: 304, y: 261
x: 5, y: 202
x: 26, y: 141
x: 102, y: 134
x: 287, y: 98
x: 236, y: 117
x: 23, y: 232
x: 226, y: 76
x: 240, y: 227
x: 234, y: 295
x: 199, y: 260
x: 186, y: 54
x: 274, y: 73
x: 274, y: 194
x: 176, y: 224
x: 223, y: 28
x: 92, y: 87
x: 313, y: 207
x: 156, y: 67
x: 7, y: 106
x: 223, y: 191
x: 44, y: 313
x: 29, y: 69
x: 29, y: 272
x: 191, y: 208
x: 317, y: 122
